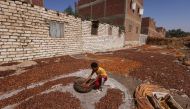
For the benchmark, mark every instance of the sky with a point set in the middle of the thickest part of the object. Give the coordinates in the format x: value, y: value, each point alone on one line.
x: 171, y: 14
x: 59, y: 5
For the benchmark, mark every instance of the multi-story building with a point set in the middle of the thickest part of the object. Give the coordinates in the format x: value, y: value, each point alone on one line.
x: 124, y: 13
x: 149, y: 28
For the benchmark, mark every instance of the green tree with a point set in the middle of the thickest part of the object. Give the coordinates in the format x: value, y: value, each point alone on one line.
x: 176, y: 33
x: 69, y: 10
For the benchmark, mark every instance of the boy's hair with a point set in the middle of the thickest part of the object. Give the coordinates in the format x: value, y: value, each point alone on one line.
x: 94, y: 65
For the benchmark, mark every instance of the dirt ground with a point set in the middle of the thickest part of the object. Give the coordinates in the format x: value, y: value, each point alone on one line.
x: 161, y: 68
x: 53, y: 100
x: 113, y: 98
x: 141, y: 64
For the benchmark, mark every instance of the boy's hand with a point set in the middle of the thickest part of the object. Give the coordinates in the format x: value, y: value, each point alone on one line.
x: 84, y: 84
x: 87, y: 80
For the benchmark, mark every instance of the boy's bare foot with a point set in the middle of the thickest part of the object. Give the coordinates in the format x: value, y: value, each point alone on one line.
x: 98, y: 91
x: 101, y: 89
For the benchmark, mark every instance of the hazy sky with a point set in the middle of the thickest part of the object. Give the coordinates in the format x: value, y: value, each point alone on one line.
x: 168, y: 13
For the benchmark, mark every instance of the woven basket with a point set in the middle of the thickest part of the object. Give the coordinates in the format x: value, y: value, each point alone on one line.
x: 79, y: 88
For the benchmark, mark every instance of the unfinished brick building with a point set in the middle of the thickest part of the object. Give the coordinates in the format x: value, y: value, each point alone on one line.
x: 123, y: 13
x: 149, y: 28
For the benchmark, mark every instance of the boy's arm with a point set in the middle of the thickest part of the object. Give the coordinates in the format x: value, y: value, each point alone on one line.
x: 90, y: 76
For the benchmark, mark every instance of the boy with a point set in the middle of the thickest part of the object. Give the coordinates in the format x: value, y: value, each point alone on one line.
x: 101, y: 76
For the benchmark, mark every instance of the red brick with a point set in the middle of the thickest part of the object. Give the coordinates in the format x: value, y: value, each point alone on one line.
x: 113, y: 7
x: 85, y: 12
x: 81, y: 2
x: 38, y: 2
x: 98, y: 10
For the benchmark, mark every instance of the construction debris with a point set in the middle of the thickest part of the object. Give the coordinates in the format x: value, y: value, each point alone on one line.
x: 154, y: 97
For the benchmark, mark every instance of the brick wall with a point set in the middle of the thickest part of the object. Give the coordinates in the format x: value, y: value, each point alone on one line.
x: 84, y: 1
x: 113, y: 7
x: 38, y: 2
x: 34, y: 2
x: 25, y: 33
x: 149, y: 28
x: 102, y: 41
x: 84, y: 13
x: 98, y: 10
x: 161, y: 31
